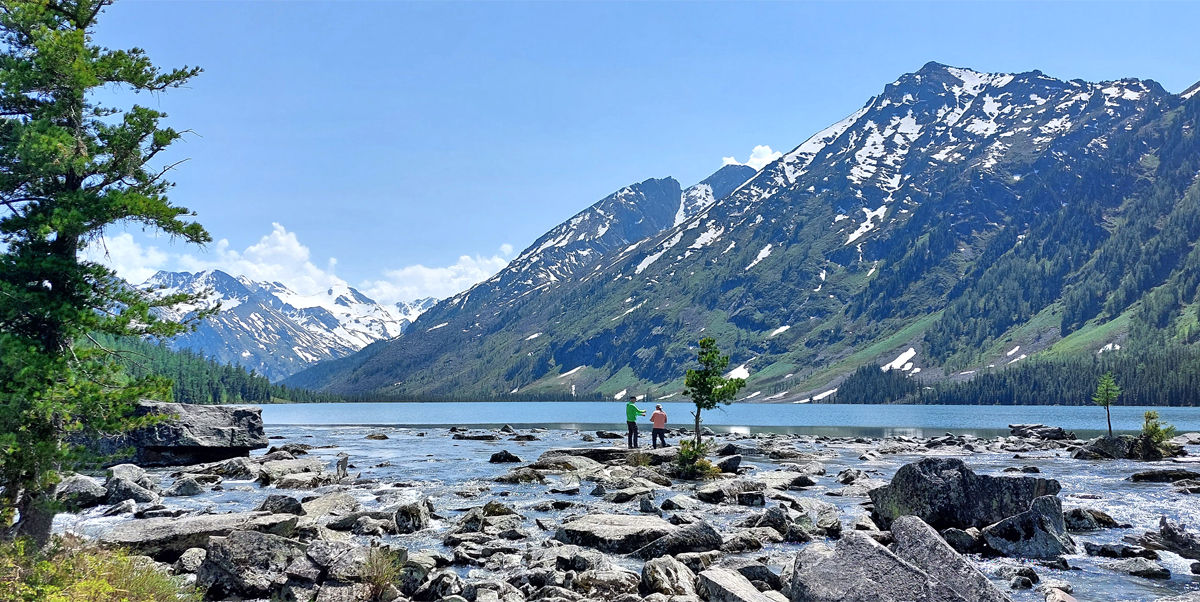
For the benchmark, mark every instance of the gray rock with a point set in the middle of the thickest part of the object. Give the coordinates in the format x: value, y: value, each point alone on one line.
x: 124, y: 507
x: 944, y: 493
x: 729, y: 464
x: 246, y: 564
x: 922, y: 547
x: 1036, y: 533
x: 1116, y: 550
x: 79, y: 492
x: 754, y: 571
x: 130, y: 472
x: 339, y: 560
x: 606, y: 583
x: 165, y: 539
x: 189, y: 434
x: 666, y: 575
x: 120, y: 489
x: 817, y: 517
x: 337, y: 503
x: 1078, y: 519
x: 410, y: 518
x: 184, y: 487
x: 1139, y: 567
x: 613, y: 533
x: 1040, y: 431
x: 441, y: 585
x: 696, y: 537
x: 717, y: 584
x: 276, y: 470
x: 680, y: 502
x: 503, y: 456
x: 859, y: 569
x: 282, y: 504
x: 1172, y: 537
x: 751, y: 498
x: 968, y: 541
x: 190, y: 561
x: 1163, y: 475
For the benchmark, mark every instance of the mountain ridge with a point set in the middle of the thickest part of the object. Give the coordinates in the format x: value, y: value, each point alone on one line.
x: 267, y: 327
x: 873, y: 236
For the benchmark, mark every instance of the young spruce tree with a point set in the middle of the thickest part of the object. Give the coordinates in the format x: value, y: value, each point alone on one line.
x: 69, y: 168
x: 1106, y: 393
x: 707, y: 386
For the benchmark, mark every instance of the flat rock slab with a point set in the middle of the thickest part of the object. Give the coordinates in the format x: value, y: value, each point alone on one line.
x: 613, y: 533
x: 609, y: 454
x: 719, y: 584
x: 922, y: 547
x: 859, y: 569
x: 165, y: 539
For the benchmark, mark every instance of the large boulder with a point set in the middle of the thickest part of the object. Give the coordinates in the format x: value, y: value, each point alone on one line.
x: 944, y: 493
x: 165, y: 539
x: 78, y: 492
x: 696, y: 537
x: 613, y: 533
x: 1126, y: 447
x: 186, y: 434
x: 247, y: 564
x: 859, y: 569
x: 922, y: 547
x: 667, y: 576
x: 1039, y: 532
x: 120, y: 489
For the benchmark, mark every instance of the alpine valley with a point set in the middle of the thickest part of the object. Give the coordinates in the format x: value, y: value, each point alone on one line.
x: 956, y: 223
x: 268, y: 328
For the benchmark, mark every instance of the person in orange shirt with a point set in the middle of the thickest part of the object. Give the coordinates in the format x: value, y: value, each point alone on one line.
x: 659, y: 432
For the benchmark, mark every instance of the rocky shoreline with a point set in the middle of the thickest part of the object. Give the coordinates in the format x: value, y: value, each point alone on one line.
x: 790, y: 518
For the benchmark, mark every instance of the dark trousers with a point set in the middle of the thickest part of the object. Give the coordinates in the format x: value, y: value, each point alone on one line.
x: 633, y: 434
x: 657, y: 435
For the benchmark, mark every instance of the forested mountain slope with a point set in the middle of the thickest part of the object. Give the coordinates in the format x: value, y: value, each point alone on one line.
x: 957, y: 221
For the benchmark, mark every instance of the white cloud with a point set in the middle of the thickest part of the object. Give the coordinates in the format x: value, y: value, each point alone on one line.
x: 416, y: 281
x: 123, y: 254
x: 280, y: 257
x: 759, y: 157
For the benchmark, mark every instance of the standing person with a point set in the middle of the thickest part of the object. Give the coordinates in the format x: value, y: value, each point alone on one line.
x: 659, y: 432
x: 631, y: 415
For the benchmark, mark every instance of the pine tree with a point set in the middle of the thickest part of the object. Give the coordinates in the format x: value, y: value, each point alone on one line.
x: 707, y: 386
x: 69, y: 168
x: 1106, y: 393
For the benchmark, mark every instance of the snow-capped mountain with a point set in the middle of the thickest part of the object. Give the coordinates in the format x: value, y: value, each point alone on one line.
x: 934, y: 223
x: 268, y: 327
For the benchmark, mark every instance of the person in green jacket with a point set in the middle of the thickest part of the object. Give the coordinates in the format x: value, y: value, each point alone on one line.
x: 631, y: 415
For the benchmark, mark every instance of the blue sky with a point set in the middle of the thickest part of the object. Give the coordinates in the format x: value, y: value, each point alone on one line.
x: 411, y: 148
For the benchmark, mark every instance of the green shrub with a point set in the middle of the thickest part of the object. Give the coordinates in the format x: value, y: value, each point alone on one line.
x: 690, y: 462
x: 71, y: 570
x: 384, y: 567
x: 1157, y: 431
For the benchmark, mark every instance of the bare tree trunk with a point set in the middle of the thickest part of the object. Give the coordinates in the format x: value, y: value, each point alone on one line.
x: 696, y: 414
x: 37, y: 512
x: 1109, y: 415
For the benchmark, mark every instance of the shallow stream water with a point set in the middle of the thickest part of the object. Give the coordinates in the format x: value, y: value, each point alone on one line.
x: 424, y: 461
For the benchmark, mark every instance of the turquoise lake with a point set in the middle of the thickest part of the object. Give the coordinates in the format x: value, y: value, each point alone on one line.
x: 827, y: 419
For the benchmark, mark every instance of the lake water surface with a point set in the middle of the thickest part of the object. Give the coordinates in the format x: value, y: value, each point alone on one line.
x: 820, y: 419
